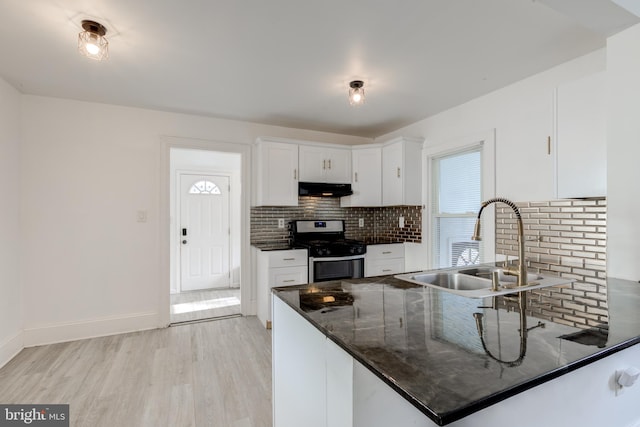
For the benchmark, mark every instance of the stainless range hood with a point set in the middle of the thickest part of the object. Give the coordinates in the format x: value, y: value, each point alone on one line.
x: 322, y: 189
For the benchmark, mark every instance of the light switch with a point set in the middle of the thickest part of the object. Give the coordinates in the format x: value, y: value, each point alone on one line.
x: 280, y: 222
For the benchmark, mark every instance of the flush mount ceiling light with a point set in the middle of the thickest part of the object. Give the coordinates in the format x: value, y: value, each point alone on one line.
x: 91, y: 41
x: 356, y: 92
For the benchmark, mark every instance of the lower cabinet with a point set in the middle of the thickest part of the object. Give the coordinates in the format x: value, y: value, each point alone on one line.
x: 277, y: 268
x: 384, y: 259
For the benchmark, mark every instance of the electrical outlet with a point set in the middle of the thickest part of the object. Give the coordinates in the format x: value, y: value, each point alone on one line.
x: 401, y: 222
x: 280, y: 222
x: 361, y: 222
x: 141, y: 216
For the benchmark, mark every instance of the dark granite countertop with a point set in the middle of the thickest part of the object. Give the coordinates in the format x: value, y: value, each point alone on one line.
x: 425, y: 343
x: 278, y: 246
x: 380, y: 241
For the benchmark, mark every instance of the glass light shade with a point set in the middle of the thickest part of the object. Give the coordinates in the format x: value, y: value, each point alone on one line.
x: 356, y: 93
x: 356, y: 96
x: 93, y: 45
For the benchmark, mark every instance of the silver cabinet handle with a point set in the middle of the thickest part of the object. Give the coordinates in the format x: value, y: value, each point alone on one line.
x: 295, y: 174
x: 324, y: 164
x: 356, y: 175
x: 288, y: 259
x: 549, y: 145
x: 386, y: 269
x: 329, y: 163
x: 386, y: 252
x: 287, y: 281
x: 398, y: 172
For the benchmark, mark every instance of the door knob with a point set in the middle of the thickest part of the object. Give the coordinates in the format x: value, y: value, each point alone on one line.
x: 184, y: 242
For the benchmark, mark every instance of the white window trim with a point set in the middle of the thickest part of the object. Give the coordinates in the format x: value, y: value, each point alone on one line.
x: 488, y: 141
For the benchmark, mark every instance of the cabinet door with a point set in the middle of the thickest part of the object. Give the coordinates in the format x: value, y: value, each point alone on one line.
x: 338, y: 165
x: 581, y: 149
x: 312, y: 164
x: 367, y: 177
x: 392, y: 175
x: 277, y: 180
x: 286, y: 276
x: 524, y: 163
x: 383, y: 267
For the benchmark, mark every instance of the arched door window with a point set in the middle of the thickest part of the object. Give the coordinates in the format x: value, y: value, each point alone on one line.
x: 204, y: 187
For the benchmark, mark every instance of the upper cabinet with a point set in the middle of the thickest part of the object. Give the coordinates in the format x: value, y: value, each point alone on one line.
x: 581, y: 138
x: 276, y: 169
x: 402, y: 172
x: 325, y: 164
x: 366, y: 180
x: 553, y: 145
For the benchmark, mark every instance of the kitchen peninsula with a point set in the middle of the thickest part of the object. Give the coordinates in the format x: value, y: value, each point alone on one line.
x: 380, y: 351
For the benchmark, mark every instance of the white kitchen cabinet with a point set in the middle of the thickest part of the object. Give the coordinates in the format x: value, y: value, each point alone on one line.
x: 554, y: 145
x: 278, y: 268
x: 581, y: 138
x: 402, y: 172
x: 366, y: 180
x: 325, y: 164
x: 524, y: 150
x: 276, y: 173
x: 384, y: 259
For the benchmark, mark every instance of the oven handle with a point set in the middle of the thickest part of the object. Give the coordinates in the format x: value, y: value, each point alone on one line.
x: 336, y: 258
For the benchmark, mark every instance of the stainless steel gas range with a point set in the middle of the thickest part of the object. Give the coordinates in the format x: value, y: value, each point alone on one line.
x: 331, y: 255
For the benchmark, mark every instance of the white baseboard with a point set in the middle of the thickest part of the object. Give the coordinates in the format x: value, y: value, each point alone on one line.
x: 63, y: 332
x: 11, y: 347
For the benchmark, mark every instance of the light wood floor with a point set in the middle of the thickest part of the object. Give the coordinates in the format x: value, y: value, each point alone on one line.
x: 215, y: 373
x: 205, y: 304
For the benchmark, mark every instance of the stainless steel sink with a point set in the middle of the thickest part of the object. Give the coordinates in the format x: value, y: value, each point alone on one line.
x: 485, y: 272
x: 476, y: 282
x: 457, y: 281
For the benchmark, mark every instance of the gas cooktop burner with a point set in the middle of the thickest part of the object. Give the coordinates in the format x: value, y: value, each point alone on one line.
x: 325, y: 239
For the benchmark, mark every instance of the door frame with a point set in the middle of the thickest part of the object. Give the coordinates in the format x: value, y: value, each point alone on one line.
x: 247, y: 297
x: 178, y: 199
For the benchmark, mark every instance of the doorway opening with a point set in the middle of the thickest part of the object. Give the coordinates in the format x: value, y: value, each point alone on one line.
x: 205, y: 234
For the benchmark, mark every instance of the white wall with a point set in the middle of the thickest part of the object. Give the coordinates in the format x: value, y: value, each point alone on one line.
x: 623, y: 154
x: 10, y: 290
x: 185, y: 160
x: 90, y: 268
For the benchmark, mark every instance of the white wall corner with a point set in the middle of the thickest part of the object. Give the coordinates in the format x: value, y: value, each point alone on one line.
x: 72, y: 331
x: 10, y: 348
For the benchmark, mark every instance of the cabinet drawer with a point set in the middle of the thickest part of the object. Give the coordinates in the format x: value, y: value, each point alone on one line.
x: 394, y: 250
x: 286, y: 276
x: 289, y: 258
x: 384, y: 267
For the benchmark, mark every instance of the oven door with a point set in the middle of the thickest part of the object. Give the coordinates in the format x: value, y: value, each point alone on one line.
x: 334, y: 268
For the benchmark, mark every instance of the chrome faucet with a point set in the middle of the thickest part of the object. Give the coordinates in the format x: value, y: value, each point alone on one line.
x: 521, y: 271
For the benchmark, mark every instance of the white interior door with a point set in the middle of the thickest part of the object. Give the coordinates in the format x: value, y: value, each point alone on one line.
x: 204, y: 232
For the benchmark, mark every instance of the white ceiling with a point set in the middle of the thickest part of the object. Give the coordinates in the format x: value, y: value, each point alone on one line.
x: 288, y: 62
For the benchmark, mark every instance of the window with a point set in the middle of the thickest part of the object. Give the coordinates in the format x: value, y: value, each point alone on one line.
x: 457, y: 194
x: 204, y: 187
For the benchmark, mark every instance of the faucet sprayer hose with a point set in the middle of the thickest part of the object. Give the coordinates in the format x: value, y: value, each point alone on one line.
x: 501, y: 200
